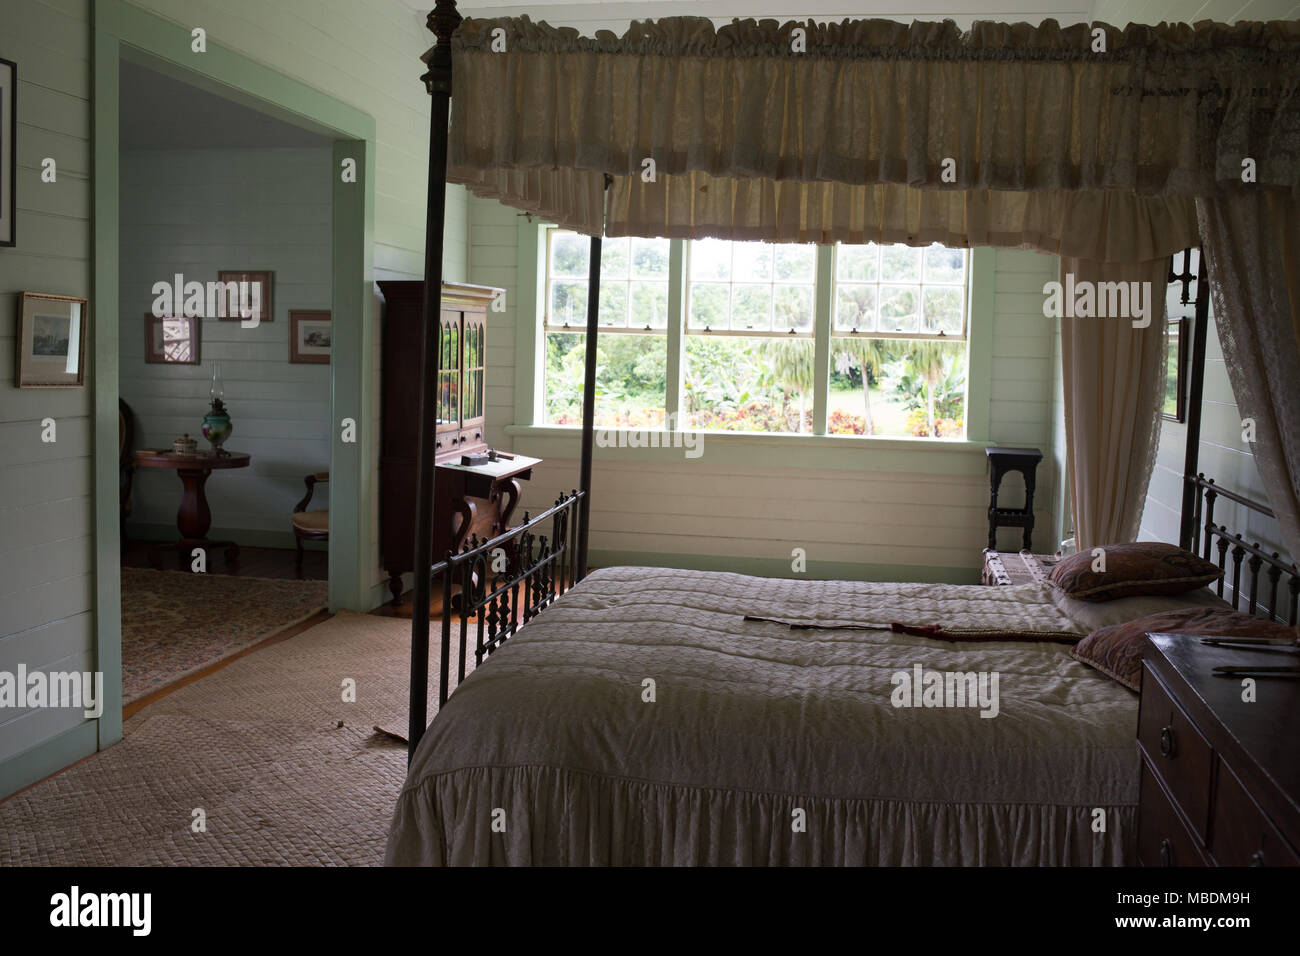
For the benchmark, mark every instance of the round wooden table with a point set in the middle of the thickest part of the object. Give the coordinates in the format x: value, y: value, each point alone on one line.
x: 194, y: 517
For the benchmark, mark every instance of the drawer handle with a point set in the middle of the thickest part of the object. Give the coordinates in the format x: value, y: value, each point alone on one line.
x: 1257, y: 858
x: 1167, y: 748
x: 1166, y: 853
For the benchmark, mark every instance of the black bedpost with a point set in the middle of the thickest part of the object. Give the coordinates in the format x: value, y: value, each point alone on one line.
x: 588, y: 406
x: 1191, y: 456
x: 442, y: 21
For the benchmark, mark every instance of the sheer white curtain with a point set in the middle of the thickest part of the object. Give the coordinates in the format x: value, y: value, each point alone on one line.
x: 1251, y: 240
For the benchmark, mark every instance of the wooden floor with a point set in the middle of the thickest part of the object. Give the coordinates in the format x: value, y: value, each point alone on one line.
x: 253, y: 562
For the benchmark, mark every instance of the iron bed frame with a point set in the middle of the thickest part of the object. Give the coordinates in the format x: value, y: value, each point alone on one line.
x: 545, y: 567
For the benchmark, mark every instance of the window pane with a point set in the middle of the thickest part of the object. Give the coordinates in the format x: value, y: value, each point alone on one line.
x: 792, y: 308
x: 649, y: 305
x: 630, y: 379
x: 570, y: 254
x: 751, y: 262
x: 943, y: 309
x: 710, y: 259
x: 733, y: 383
x: 945, y: 265
x: 898, y: 309
x: 614, y: 258
x: 650, y: 258
x: 709, y: 305
x: 795, y: 263
x: 613, y: 305
x: 858, y: 263
x: 855, y: 308
x: 568, y: 304
x: 912, y: 389
x: 900, y: 263
x: 751, y: 308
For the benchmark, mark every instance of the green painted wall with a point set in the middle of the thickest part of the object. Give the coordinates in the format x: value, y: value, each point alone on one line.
x: 362, y: 53
x: 196, y: 212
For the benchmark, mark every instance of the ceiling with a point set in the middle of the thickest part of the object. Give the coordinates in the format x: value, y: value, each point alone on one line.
x: 159, y: 111
x: 590, y: 15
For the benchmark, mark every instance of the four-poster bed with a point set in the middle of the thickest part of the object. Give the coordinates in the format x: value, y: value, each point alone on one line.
x: 658, y: 716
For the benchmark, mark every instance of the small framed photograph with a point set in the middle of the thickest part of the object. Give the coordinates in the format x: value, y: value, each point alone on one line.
x: 309, y: 337
x: 51, y: 347
x: 8, y: 151
x: 171, y: 340
x: 246, y: 296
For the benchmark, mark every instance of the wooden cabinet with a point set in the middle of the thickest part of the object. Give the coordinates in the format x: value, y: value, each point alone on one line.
x: 1220, y: 781
x: 461, y: 426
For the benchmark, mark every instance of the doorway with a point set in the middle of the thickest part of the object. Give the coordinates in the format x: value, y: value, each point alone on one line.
x: 166, y: 197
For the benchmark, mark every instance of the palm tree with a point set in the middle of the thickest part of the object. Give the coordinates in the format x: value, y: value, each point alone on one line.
x: 869, y: 355
x: 790, y: 367
x: 928, y: 361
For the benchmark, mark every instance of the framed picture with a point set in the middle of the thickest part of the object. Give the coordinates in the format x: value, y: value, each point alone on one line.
x: 8, y: 151
x: 51, y: 347
x: 171, y: 340
x: 255, y: 291
x: 309, y: 337
x: 1176, y: 355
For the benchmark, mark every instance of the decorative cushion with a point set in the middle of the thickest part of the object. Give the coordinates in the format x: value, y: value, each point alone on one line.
x: 312, y: 520
x: 1135, y: 568
x: 1116, y: 651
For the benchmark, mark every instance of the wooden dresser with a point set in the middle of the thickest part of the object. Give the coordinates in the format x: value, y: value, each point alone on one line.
x: 472, y: 501
x: 1220, y: 782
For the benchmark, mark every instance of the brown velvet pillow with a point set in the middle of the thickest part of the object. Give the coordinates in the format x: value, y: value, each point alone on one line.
x: 1136, y: 568
x: 1116, y: 651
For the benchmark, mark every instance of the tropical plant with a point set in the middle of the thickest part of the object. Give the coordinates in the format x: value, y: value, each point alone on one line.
x: 789, y: 367
x: 869, y: 357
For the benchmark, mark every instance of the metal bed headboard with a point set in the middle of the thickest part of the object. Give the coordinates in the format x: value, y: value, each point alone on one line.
x: 1207, y: 536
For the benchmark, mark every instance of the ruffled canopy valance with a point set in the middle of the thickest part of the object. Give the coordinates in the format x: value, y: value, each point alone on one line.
x: 872, y: 128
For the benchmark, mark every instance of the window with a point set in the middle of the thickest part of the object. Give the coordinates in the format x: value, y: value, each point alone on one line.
x: 898, y: 342
x: 893, y: 347
x: 632, y: 346
x: 749, y: 336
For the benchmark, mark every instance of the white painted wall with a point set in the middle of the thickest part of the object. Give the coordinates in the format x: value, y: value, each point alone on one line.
x: 198, y: 212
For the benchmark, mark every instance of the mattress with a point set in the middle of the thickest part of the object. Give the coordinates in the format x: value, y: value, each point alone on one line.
x: 642, y: 720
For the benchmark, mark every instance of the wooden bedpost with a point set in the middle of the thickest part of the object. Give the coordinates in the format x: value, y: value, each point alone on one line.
x: 1191, y: 455
x: 442, y: 22
x: 588, y: 406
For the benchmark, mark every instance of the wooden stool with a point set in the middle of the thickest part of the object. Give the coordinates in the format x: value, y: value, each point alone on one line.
x: 1001, y: 461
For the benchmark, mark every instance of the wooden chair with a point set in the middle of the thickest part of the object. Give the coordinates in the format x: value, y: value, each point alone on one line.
x: 310, y: 525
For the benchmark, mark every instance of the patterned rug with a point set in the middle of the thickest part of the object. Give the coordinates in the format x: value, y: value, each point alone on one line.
x: 175, y: 623
x: 285, y: 771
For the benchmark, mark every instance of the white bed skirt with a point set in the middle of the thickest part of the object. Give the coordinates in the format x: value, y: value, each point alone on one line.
x: 563, y: 818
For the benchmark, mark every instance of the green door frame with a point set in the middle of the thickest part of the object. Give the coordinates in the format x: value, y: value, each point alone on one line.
x: 122, y: 31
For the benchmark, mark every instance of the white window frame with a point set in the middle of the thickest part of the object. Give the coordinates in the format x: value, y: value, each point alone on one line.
x: 531, y: 328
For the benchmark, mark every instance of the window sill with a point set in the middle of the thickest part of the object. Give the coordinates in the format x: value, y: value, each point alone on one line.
x: 782, y: 439
x: 937, y: 456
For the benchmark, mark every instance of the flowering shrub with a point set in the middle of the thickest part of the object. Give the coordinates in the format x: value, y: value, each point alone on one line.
x: 944, y: 427
x: 845, y: 423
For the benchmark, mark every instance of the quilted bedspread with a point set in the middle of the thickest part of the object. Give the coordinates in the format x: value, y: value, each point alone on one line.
x: 642, y: 720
